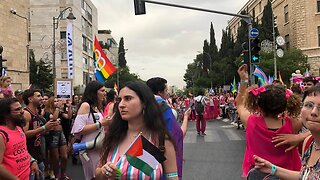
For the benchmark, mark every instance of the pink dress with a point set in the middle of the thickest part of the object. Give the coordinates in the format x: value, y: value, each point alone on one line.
x: 106, y: 109
x: 258, y: 142
x: 216, y: 108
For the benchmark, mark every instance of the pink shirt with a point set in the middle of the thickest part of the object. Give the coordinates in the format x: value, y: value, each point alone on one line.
x: 106, y: 109
x: 8, y: 92
x: 16, y: 158
x: 259, y: 142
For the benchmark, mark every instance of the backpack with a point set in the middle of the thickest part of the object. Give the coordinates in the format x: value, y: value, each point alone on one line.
x: 199, y: 106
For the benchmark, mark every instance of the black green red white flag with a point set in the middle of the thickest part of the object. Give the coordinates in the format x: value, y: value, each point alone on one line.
x: 143, y: 155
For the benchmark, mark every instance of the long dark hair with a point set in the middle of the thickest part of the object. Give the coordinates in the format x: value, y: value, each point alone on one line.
x: 153, y: 119
x: 90, y: 94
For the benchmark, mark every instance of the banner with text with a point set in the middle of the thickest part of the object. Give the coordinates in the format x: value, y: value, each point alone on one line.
x: 70, y: 50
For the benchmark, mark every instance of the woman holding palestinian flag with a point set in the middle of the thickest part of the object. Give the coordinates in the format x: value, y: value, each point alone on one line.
x: 137, y: 144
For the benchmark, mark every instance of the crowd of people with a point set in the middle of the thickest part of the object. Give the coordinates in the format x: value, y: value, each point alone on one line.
x: 37, y: 130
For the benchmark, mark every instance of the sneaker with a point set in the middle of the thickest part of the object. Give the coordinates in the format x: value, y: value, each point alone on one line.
x: 199, y: 134
x: 204, y: 134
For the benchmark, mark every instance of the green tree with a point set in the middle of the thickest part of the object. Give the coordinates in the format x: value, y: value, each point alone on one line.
x: 292, y: 60
x: 206, y: 58
x: 213, y: 47
x: 121, y: 54
x: 266, y: 31
x: 124, y: 76
x: 41, y: 76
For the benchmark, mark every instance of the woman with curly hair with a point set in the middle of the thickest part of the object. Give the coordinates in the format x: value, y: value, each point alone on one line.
x: 266, y: 112
x: 135, y: 112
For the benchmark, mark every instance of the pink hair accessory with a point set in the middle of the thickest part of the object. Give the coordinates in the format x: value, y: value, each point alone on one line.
x: 257, y: 91
x: 288, y: 93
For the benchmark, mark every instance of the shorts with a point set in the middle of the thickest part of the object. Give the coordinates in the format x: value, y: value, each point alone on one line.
x: 55, y: 139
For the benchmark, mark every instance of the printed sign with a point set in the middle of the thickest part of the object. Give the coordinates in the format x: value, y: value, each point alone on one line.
x: 63, y: 88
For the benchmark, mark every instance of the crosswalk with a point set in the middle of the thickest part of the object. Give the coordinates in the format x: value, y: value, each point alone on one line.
x: 217, y: 131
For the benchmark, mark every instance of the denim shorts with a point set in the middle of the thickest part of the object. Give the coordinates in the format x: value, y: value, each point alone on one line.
x: 55, y: 139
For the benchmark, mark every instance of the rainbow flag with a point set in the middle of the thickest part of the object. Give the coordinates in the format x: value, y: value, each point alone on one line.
x: 234, y: 86
x: 280, y: 78
x: 261, y: 75
x: 115, y: 88
x: 103, y: 67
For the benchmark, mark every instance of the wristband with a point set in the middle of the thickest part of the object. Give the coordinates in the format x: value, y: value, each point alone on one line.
x: 244, y: 81
x: 273, y: 169
x: 172, y: 175
x: 98, y: 124
x: 44, y: 128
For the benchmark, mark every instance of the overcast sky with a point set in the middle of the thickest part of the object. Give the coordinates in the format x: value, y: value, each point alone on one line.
x: 166, y: 39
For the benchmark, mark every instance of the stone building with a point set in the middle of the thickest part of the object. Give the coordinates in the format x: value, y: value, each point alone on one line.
x: 298, y: 22
x: 14, y: 40
x: 85, y: 27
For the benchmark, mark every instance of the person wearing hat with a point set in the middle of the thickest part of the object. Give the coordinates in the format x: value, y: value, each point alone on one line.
x: 18, y: 94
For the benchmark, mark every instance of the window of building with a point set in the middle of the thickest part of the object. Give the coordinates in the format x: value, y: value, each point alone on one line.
x: 319, y: 36
x: 286, y: 38
x: 253, y: 13
x: 84, y: 44
x: 63, y: 35
x: 286, y: 14
x: 64, y: 75
x: 90, y: 46
x: 86, y: 78
x: 318, y: 6
x: 64, y: 55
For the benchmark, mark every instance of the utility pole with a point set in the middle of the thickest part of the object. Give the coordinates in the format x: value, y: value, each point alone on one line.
x: 274, y: 48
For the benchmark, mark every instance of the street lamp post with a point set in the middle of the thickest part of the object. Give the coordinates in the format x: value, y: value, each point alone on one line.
x: 274, y: 49
x: 55, y: 26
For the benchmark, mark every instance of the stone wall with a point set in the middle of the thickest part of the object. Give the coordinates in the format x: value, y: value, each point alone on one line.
x: 13, y: 38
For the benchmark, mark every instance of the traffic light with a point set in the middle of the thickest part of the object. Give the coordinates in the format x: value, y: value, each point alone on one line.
x: 245, y: 53
x: 1, y: 61
x: 139, y: 7
x: 255, y: 50
x: 275, y: 22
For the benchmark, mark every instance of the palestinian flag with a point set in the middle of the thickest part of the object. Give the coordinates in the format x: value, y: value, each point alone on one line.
x: 144, y: 156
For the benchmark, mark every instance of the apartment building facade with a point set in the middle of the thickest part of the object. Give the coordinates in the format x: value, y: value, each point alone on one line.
x: 108, y: 45
x: 298, y: 21
x: 14, y: 40
x: 85, y: 27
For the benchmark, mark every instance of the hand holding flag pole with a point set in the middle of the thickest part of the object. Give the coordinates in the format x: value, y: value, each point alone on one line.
x: 143, y: 155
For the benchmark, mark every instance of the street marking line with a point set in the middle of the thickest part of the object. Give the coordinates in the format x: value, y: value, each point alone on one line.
x: 212, y: 136
x: 232, y: 136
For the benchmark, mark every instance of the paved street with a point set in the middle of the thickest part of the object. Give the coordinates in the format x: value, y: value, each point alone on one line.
x: 218, y: 155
